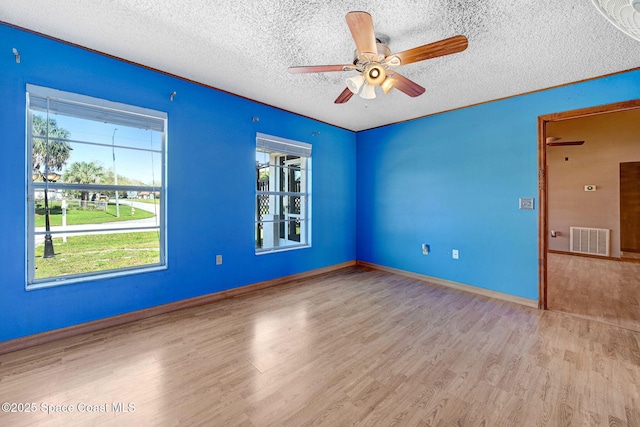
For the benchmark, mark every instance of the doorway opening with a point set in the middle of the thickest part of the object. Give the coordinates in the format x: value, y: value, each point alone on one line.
x: 589, y: 161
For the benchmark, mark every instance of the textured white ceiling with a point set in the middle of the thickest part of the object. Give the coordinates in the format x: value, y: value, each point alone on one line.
x: 246, y: 46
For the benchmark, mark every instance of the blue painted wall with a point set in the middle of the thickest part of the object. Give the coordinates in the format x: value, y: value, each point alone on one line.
x: 453, y: 180
x: 211, y: 177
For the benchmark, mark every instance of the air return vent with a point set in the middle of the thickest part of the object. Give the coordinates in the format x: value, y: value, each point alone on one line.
x: 624, y: 14
x: 594, y: 241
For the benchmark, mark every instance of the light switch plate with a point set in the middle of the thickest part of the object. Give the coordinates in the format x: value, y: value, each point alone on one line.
x: 526, y: 203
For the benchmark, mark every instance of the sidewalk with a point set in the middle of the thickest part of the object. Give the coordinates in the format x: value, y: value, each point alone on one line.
x: 106, y: 227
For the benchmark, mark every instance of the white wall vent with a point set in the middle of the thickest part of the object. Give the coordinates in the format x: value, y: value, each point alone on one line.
x: 594, y: 241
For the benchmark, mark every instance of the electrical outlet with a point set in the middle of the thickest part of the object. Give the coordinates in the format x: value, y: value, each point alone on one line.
x: 425, y: 249
x: 218, y: 259
x: 455, y: 254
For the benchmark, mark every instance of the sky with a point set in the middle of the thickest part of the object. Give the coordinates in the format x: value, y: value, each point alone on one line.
x: 144, y: 166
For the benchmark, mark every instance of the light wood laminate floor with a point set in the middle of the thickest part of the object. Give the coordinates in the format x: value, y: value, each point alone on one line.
x: 355, y: 347
x: 600, y: 289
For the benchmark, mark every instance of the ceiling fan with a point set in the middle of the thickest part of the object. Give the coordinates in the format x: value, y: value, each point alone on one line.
x: 376, y: 64
x: 624, y: 14
x: 555, y: 141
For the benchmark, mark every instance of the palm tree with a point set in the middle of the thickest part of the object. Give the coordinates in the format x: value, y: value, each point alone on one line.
x: 84, y: 173
x: 59, y: 151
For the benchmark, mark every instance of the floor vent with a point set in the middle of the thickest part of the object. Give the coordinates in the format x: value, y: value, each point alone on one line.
x: 594, y: 241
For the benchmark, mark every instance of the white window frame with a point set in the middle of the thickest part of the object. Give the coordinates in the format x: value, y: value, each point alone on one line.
x: 82, y: 106
x: 278, y: 147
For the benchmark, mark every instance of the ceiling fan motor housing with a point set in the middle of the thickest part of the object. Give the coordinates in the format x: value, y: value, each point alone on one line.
x: 367, y: 57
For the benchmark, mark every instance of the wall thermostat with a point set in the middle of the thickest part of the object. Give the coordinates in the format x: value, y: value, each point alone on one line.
x: 589, y: 188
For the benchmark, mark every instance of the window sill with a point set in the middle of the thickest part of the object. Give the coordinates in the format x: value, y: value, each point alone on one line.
x: 83, y: 279
x: 278, y: 250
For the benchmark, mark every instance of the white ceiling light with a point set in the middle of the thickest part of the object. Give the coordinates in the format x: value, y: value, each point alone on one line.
x: 368, y: 91
x: 624, y: 14
x: 355, y: 83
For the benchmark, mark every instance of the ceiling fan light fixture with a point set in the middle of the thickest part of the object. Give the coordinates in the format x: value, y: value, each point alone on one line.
x: 375, y: 74
x: 624, y: 15
x: 368, y: 91
x: 355, y: 83
x: 388, y: 84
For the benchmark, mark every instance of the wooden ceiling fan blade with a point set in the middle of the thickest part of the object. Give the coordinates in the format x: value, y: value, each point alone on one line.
x: 561, y: 143
x: 344, y: 96
x: 320, y: 68
x: 433, y: 50
x: 361, y: 27
x: 407, y: 86
x: 556, y: 141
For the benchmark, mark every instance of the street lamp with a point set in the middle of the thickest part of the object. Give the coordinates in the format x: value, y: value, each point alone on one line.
x: 115, y: 174
x: 48, y: 243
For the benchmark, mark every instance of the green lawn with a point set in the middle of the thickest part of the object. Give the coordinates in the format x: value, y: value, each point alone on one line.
x: 91, y: 215
x: 97, y: 252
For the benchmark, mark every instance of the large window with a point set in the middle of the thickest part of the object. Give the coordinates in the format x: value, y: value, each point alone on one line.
x: 283, y: 196
x: 96, y: 188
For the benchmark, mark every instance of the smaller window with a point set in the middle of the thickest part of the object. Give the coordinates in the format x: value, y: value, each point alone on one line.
x: 283, y: 196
